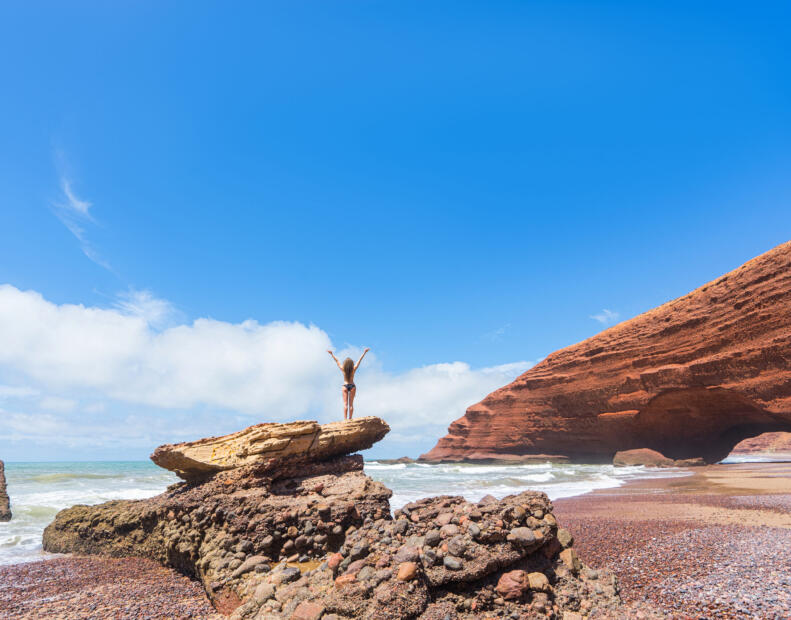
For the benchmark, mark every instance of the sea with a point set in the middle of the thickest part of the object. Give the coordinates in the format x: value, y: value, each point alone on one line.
x: 39, y: 490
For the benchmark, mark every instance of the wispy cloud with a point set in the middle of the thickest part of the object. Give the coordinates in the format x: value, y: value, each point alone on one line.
x: 606, y: 317
x: 75, y: 214
x: 496, y: 335
x: 153, y: 310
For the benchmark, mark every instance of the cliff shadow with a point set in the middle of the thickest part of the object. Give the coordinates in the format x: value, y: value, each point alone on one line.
x: 703, y: 422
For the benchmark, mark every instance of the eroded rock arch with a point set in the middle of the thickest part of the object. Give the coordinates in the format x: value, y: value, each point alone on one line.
x: 704, y: 422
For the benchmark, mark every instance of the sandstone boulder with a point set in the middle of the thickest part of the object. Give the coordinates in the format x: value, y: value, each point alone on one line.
x: 5, y: 503
x: 689, y: 379
x: 196, y: 459
x: 766, y: 443
x: 651, y: 458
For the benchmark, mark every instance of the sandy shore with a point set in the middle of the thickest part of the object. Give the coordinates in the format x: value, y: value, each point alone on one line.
x: 79, y: 588
x: 716, y: 544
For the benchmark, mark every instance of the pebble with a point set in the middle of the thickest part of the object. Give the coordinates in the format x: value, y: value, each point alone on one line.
x: 406, y: 571
x: 451, y: 563
x: 433, y: 537
x: 406, y: 553
x: 457, y: 546
x: 522, y: 536
x: 360, y: 550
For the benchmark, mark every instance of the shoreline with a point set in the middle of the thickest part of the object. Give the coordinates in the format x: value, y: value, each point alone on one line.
x: 716, y: 543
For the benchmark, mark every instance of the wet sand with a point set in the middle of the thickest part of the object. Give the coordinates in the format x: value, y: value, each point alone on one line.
x: 715, y: 544
x: 79, y: 588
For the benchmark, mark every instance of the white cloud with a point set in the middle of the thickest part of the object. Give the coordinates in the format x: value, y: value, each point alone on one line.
x: 57, y: 403
x: 75, y: 214
x: 50, y: 429
x: 275, y: 371
x: 248, y: 367
x: 432, y: 395
x: 606, y: 317
x: 12, y: 391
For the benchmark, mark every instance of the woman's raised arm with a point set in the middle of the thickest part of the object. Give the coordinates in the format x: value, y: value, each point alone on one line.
x: 336, y: 359
x: 357, y: 365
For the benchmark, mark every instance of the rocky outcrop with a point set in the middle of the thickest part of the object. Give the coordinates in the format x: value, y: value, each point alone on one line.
x: 5, y: 503
x: 651, y: 458
x: 403, y: 460
x: 295, y: 537
x: 767, y: 443
x: 196, y: 459
x: 691, y: 378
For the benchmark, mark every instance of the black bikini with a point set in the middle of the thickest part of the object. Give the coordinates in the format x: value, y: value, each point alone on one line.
x: 349, y: 386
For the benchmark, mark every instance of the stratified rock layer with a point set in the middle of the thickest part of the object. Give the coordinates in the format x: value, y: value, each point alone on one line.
x: 766, y: 443
x: 5, y: 504
x: 691, y: 378
x: 297, y: 538
x: 309, y: 439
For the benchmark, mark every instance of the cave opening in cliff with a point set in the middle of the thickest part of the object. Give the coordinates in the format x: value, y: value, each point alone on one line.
x: 703, y: 422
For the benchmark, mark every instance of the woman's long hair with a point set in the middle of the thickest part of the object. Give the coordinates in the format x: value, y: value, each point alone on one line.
x: 348, y: 370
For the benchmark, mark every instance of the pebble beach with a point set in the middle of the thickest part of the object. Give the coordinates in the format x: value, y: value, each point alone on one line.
x: 82, y: 588
x: 716, y: 544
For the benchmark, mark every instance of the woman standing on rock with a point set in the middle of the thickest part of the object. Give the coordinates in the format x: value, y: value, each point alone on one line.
x: 348, y: 368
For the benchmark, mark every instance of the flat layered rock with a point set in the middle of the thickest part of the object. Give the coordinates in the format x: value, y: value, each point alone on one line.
x: 304, y: 439
x: 689, y: 379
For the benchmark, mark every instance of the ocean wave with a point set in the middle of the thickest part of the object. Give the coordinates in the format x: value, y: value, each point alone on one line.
x: 462, y: 468
x: 375, y: 465
x: 62, y: 477
x: 35, y: 512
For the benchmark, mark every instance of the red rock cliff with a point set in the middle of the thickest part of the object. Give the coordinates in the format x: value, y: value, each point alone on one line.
x: 691, y: 378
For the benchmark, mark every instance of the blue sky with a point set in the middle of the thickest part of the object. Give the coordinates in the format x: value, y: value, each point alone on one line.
x: 444, y: 182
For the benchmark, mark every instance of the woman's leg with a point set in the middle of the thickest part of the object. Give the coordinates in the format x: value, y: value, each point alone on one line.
x: 345, y: 402
x: 351, y: 402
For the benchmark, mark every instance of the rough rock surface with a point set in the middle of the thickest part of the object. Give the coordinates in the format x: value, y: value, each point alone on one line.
x: 768, y: 442
x: 691, y: 378
x: 5, y: 503
x: 298, y: 538
x: 651, y: 458
x: 195, y: 459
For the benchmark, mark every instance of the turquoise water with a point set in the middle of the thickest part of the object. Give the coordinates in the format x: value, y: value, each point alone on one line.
x: 39, y: 490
